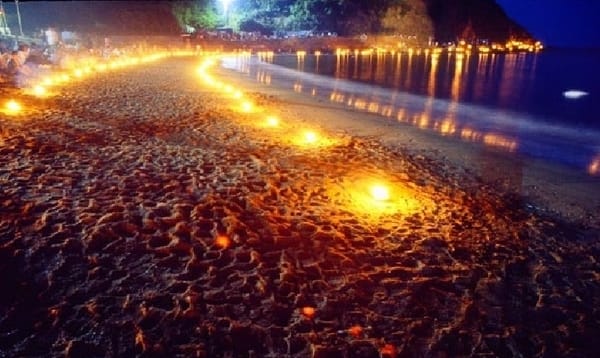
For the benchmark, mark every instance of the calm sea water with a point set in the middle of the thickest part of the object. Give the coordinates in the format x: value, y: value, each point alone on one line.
x: 530, y: 83
x: 514, y: 102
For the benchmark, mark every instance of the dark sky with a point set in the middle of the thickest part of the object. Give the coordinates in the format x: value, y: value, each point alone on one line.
x: 566, y: 23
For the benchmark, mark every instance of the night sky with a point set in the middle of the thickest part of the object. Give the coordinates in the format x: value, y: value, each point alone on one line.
x: 565, y: 23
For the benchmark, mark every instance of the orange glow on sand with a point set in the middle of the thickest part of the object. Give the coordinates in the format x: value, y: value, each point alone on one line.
x: 312, y: 139
x: 271, y: 121
x: 380, y: 192
x: 308, y: 312
x: 12, y: 107
x: 355, y: 331
x: 374, y: 195
x: 389, y: 351
x: 247, y: 107
x: 48, y: 81
x: 39, y: 91
x: 222, y: 241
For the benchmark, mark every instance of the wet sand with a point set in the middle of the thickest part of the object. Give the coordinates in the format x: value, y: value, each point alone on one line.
x: 143, y: 215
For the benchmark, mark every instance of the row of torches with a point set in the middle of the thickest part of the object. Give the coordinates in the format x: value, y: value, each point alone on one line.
x: 373, y: 191
x: 41, y: 86
x: 369, y: 194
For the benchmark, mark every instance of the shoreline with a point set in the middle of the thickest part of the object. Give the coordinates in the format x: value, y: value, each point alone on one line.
x: 549, y: 188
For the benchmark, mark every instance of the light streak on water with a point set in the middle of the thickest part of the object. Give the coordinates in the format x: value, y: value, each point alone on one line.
x: 504, y: 130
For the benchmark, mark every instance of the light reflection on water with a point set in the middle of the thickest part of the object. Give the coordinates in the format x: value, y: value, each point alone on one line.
x: 446, y: 82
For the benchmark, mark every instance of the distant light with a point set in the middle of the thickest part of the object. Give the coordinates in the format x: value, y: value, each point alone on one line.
x: 47, y: 81
x: 222, y: 241
x: 308, y: 312
x: 310, y: 136
x: 379, y: 192
x: 247, y: 106
x: 374, y: 195
x: 12, y: 107
x: 574, y: 94
x: 594, y: 167
x: 39, y: 91
x: 225, y: 5
x: 272, y: 121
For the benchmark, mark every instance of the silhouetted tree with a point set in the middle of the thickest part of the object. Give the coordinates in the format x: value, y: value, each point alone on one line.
x: 196, y: 13
x: 408, y: 18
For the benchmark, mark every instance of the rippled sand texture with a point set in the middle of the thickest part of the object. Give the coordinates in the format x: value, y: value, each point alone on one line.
x: 141, y: 215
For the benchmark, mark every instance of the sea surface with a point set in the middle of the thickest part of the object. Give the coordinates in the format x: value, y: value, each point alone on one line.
x: 514, y: 102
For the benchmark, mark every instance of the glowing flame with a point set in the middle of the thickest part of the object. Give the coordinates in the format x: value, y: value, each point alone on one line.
x: 47, y: 81
x: 380, y: 192
x: 272, y: 121
x: 374, y: 196
x: 310, y: 137
x: 308, y: 312
x: 222, y: 241
x: 12, y: 107
x: 247, y: 107
x: 355, y: 331
x: 39, y: 91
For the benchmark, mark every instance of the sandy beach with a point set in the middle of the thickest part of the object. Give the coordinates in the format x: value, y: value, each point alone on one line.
x: 146, y: 213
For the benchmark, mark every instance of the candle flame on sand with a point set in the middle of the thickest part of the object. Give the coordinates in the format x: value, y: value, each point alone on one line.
x: 373, y: 195
x: 272, y: 121
x: 12, y: 107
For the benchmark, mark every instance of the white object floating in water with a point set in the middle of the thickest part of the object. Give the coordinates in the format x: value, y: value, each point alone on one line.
x: 574, y: 94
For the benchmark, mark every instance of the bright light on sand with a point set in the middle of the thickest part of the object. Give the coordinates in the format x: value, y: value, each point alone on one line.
x: 78, y: 73
x: 12, y: 107
x: 39, y: 91
x: 310, y: 137
x: 380, y: 192
x: 272, y: 121
x: 222, y: 241
x: 247, y: 106
x: 238, y: 94
x: 47, y: 81
x: 376, y: 195
x: 308, y: 312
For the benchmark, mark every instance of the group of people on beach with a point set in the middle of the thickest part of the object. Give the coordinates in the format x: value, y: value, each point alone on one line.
x: 19, y: 61
x: 13, y: 62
